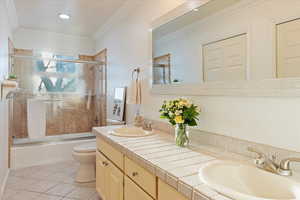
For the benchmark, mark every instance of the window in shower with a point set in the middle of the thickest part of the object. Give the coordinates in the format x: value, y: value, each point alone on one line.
x: 53, y: 75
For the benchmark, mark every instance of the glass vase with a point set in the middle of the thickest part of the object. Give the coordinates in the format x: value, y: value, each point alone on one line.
x: 181, y: 135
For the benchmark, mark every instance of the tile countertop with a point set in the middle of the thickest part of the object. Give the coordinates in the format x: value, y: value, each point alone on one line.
x: 177, y: 166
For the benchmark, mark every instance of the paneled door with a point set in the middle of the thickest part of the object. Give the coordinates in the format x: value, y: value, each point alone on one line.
x: 133, y: 192
x: 288, y: 49
x: 225, y: 60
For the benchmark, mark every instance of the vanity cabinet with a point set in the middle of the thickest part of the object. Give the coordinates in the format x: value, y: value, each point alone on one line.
x: 167, y: 192
x: 109, y: 180
x: 120, y: 178
x: 133, y: 192
x: 111, y: 168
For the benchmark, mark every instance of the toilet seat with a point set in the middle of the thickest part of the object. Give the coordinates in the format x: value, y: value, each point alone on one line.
x: 85, y: 148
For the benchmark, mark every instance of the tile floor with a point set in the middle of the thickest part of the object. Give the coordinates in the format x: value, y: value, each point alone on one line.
x: 48, y: 182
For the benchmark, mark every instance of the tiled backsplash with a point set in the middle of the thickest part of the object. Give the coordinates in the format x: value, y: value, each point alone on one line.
x: 230, y: 144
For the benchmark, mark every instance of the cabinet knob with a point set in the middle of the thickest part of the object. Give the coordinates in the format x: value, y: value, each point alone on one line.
x: 105, y: 163
x: 134, y: 174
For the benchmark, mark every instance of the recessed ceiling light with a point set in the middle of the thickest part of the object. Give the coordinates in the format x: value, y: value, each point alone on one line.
x: 64, y: 16
x: 196, y: 9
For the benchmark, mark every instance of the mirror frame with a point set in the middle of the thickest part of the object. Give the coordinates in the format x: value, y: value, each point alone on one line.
x: 273, y: 87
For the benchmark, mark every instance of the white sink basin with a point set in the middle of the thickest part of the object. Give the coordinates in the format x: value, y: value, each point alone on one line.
x: 245, y: 182
x: 131, y: 132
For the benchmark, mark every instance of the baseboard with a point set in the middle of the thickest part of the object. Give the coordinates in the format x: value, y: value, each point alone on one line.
x: 3, y: 185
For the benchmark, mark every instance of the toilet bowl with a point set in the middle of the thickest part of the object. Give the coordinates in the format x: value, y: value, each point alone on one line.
x: 85, y: 154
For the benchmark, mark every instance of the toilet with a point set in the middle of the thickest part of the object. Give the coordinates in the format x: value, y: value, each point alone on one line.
x: 85, y: 154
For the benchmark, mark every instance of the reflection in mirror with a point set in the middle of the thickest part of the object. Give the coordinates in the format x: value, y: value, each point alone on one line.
x: 162, y: 69
x: 225, y: 60
x: 232, y: 40
x: 119, y: 104
x: 288, y: 56
x: 182, y: 39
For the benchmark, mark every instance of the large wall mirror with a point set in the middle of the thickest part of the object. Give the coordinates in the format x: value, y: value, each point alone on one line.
x: 233, y: 46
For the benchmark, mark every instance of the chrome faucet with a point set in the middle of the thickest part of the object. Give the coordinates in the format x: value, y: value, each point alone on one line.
x: 285, y: 168
x: 265, y: 163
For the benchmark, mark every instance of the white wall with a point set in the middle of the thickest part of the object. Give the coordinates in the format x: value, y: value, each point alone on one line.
x: 3, y: 144
x: 53, y: 42
x: 273, y: 121
x: 4, y: 34
x: 128, y: 44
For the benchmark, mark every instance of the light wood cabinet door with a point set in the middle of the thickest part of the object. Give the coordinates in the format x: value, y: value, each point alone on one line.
x: 133, y: 192
x: 101, y: 175
x: 109, y: 179
x: 167, y: 192
x: 115, y: 180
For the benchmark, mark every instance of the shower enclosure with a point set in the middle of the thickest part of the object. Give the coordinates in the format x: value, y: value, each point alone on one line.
x: 59, y: 97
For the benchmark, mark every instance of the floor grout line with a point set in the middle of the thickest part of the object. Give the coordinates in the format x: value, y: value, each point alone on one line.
x: 56, y: 177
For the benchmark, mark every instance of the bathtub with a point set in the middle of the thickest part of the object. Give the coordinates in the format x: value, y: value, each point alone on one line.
x: 51, y: 149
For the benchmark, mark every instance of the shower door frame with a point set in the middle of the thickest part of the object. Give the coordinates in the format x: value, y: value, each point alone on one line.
x: 99, y: 58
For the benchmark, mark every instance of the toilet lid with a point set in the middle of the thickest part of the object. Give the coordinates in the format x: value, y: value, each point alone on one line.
x: 86, y: 148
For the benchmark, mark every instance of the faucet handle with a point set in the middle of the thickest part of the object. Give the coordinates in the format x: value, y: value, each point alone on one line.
x: 261, y: 159
x: 285, y: 168
x: 254, y: 150
x: 147, y: 125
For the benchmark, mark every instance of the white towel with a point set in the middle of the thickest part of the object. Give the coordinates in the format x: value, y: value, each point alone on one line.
x: 89, y: 100
x: 36, y: 118
x: 135, y: 92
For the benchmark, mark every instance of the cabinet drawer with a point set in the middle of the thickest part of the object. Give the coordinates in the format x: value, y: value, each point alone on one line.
x: 167, y: 192
x: 110, y: 152
x: 141, y: 176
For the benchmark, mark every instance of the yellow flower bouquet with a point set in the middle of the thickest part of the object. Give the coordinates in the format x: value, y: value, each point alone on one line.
x: 180, y: 113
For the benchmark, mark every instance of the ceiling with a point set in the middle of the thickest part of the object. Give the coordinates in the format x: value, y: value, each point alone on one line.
x: 86, y: 15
